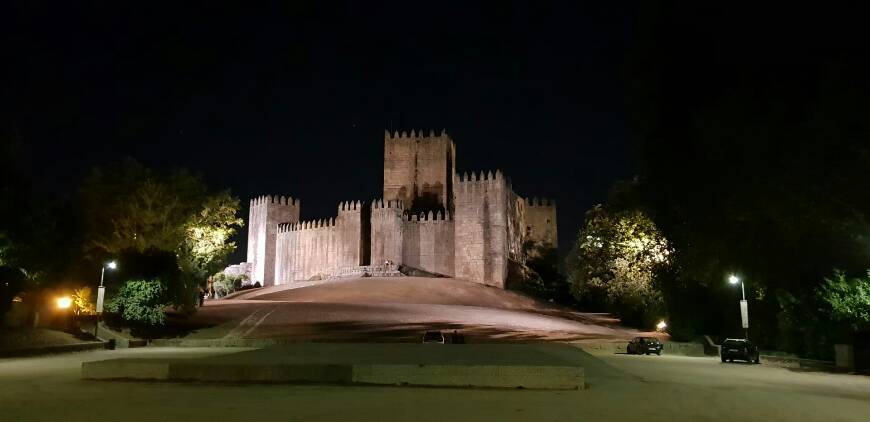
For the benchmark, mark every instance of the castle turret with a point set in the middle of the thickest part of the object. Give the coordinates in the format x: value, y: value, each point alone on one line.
x: 266, y: 212
x: 541, y: 221
x: 481, y: 224
x: 386, y: 221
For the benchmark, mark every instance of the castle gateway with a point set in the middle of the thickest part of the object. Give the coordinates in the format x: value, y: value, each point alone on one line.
x: 470, y: 226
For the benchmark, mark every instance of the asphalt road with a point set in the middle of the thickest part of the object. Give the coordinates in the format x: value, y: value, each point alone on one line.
x: 621, y: 388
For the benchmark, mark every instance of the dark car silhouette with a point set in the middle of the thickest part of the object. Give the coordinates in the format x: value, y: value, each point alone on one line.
x: 433, y: 337
x: 740, y: 349
x: 644, y: 346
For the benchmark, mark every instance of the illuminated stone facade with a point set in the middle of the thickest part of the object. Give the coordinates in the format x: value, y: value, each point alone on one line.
x: 470, y: 226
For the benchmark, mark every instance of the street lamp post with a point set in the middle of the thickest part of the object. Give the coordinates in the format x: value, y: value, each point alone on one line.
x: 101, y: 294
x: 744, y: 305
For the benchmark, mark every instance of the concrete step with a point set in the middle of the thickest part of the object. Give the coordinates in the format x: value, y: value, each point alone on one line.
x: 487, y: 366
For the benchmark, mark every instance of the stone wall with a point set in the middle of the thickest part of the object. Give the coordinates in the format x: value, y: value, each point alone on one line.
x: 541, y: 221
x: 305, y: 251
x: 516, y: 226
x: 428, y: 242
x: 387, y: 232
x: 266, y: 212
x: 481, y: 251
x: 313, y: 250
x: 419, y: 169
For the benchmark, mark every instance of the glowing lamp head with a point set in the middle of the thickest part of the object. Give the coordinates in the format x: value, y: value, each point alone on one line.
x: 733, y: 279
x: 64, y: 302
x: 112, y: 265
x: 661, y: 325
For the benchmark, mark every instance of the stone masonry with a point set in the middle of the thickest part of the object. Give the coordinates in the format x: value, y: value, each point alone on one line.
x: 470, y: 226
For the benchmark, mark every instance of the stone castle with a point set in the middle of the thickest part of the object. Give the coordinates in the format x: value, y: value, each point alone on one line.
x: 430, y: 220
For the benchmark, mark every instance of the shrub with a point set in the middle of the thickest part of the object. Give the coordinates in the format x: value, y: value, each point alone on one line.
x: 140, y: 302
x: 225, y: 284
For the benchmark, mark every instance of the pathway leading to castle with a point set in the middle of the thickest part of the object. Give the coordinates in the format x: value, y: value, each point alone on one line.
x: 396, y: 309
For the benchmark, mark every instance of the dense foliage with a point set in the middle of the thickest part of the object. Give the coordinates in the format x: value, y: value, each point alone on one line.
x: 615, y: 260
x: 158, y: 225
x: 140, y: 302
x: 82, y: 301
x: 541, y: 276
x: 752, y: 159
x: 847, y: 299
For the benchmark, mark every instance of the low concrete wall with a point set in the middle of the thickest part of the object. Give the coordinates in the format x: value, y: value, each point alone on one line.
x: 669, y: 348
x: 140, y: 369
x: 538, y: 366
x: 458, y: 375
x: 793, y: 362
x: 493, y: 376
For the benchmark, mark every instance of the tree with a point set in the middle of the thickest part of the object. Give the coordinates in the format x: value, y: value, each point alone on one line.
x: 541, y: 277
x: 847, y: 299
x: 12, y: 281
x: 133, y: 210
x: 38, y: 234
x: 751, y: 162
x: 82, y: 303
x: 206, y: 244
x: 140, y: 302
x: 616, y: 257
x: 128, y: 206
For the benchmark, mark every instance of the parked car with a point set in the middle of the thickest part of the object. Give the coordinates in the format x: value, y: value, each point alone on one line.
x: 644, y: 346
x: 738, y: 348
x: 433, y: 337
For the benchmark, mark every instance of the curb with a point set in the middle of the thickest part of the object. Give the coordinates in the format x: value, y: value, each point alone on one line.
x: 47, y: 350
x: 534, y: 377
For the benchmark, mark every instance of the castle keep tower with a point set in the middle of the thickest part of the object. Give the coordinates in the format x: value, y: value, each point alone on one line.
x: 418, y: 170
x: 430, y: 219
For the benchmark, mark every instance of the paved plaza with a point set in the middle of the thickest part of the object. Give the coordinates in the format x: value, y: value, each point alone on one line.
x: 619, y: 388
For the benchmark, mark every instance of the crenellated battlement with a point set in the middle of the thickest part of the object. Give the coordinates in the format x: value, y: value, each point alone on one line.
x: 275, y: 199
x: 470, y: 183
x: 415, y: 135
x: 540, y: 202
x: 431, y: 216
x: 481, y: 176
x: 350, y: 206
x: 307, y: 225
x: 378, y: 204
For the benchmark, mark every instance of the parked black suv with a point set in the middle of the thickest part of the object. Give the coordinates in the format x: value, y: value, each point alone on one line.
x: 738, y: 348
x: 644, y: 346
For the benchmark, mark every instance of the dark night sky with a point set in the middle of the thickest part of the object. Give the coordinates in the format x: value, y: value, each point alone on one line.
x: 294, y: 99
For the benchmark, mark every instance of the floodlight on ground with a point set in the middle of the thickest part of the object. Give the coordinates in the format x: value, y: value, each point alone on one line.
x: 64, y: 302
x: 661, y: 325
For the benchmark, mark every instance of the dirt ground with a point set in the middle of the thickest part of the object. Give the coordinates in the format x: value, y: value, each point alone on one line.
x: 396, y: 309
